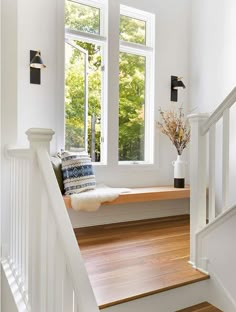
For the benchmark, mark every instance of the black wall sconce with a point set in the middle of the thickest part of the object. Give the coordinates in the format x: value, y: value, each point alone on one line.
x: 36, y: 64
x: 176, y: 82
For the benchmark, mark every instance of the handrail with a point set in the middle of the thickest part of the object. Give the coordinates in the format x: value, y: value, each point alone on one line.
x: 83, y: 290
x: 227, y: 214
x: 12, y: 151
x: 218, y: 113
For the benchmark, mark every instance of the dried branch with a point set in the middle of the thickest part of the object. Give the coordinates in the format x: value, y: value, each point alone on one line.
x: 176, y: 128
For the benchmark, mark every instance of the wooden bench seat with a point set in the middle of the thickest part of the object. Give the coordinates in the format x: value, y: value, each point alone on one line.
x: 145, y: 194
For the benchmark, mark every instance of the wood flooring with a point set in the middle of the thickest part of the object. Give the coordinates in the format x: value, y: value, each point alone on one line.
x: 130, y: 260
x: 202, y: 307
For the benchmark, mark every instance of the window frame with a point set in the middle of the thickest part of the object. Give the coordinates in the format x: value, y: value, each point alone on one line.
x: 101, y: 40
x: 108, y: 154
x: 146, y: 50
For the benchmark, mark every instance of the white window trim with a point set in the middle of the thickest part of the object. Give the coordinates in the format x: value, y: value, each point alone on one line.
x: 91, y: 38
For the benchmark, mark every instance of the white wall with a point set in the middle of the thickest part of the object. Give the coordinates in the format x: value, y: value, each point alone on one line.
x: 212, y: 64
x: 37, y: 29
x: 29, y: 25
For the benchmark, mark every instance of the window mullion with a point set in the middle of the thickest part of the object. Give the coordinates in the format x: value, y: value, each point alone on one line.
x: 113, y: 83
x: 135, y: 47
x: 75, y: 34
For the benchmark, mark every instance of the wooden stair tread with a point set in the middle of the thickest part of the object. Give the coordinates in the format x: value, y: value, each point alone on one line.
x: 144, y: 194
x: 130, y: 260
x: 201, y: 307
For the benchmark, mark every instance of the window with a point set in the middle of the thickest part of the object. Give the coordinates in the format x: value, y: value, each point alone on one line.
x: 83, y: 79
x: 132, y: 29
x: 136, y: 77
x: 86, y: 82
x: 82, y: 17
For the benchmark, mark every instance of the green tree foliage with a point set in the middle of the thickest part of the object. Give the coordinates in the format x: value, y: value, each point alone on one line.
x: 82, y: 17
x: 132, y: 30
x: 131, y: 107
x: 131, y: 87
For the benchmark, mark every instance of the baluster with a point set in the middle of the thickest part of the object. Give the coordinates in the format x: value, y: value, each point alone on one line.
x: 15, y: 216
x: 68, y: 292
x: 51, y: 254
x: 23, y: 219
x: 211, y: 191
x: 27, y: 253
x: 225, y: 159
x: 76, y: 305
x: 59, y: 275
x: 20, y: 204
x: 12, y: 208
x: 44, y: 243
x: 34, y: 244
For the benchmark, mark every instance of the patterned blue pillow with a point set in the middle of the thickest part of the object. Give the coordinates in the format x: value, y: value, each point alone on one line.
x: 77, y: 172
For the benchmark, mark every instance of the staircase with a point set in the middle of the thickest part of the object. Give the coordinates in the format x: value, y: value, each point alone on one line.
x: 47, y: 271
x: 131, y: 260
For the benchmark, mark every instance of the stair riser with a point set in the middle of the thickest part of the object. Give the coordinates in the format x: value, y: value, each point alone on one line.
x: 168, y: 301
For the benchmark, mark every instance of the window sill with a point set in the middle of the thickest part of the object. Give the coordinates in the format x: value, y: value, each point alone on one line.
x: 128, y: 166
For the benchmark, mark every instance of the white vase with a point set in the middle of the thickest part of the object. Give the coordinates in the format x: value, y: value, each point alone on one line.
x: 179, y: 172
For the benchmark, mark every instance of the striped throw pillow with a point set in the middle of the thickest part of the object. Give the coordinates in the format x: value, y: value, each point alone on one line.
x: 77, y: 172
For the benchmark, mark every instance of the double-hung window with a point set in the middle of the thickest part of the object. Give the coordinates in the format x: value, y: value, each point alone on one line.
x: 85, y: 81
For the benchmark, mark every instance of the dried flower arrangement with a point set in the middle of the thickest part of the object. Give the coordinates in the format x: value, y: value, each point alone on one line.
x: 176, y: 127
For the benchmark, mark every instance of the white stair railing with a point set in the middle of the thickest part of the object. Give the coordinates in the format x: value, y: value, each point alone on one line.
x: 43, y: 261
x: 203, y: 170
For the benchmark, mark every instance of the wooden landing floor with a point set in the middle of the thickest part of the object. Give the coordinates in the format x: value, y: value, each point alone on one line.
x: 201, y: 307
x: 130, y: 260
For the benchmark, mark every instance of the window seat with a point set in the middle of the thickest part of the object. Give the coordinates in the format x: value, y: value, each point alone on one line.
x: 144, y: 194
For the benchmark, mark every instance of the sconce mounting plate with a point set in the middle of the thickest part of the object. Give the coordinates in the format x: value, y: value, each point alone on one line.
x: 35, y: 73
x: 174, y: 92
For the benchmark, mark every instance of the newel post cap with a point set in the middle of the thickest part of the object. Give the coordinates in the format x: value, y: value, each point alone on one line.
x: 198, y: 117
x: 39, y: 136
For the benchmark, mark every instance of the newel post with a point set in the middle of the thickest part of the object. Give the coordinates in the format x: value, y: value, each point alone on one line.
x: 39, y: 139
x: 198, y: 179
